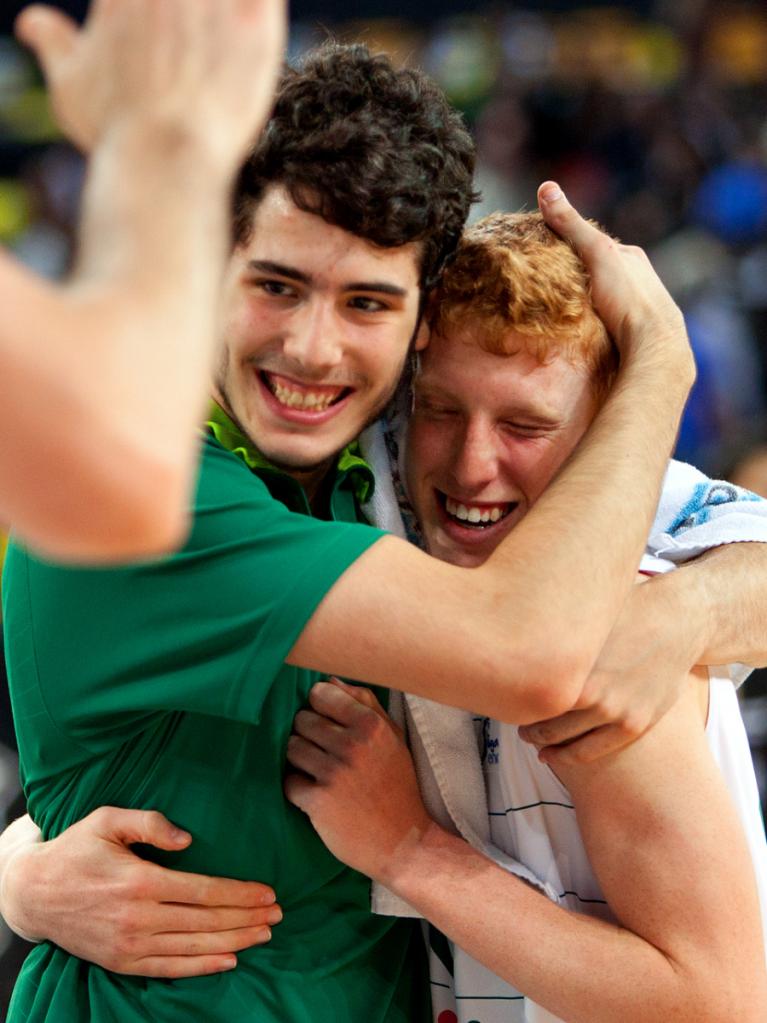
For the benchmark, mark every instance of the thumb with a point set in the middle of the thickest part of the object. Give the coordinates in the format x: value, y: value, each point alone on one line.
x: 49, y: 33
x: 299, y: 790
x: 585, y: 237
x: 361, y: 694
x: 148, y: 827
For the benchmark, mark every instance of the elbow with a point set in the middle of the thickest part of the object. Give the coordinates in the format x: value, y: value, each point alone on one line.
x: 543, y: 682
x: 699, y: 998
x: 144, y: 532
x: 139, y: 515
x: 741, y: 1007
x: 745, y: 1001
x: 723, y: 994
x: 560, y: 687
x: 148, y: 519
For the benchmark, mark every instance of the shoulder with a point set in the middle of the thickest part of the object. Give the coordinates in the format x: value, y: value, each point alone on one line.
x: 220, y: 467
x: 226, y: 486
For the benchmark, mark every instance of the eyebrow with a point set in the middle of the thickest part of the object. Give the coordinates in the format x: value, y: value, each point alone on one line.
x: 266, y: 266
x: 382, y: 287
x: 293, y: 274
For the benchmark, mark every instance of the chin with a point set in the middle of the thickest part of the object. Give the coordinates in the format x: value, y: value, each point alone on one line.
x: 294, y: 451
x: 301, y: 460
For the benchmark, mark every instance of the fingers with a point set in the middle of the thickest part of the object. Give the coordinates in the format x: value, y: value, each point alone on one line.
x: 582, y: 736
x: 343, y: 703
x: 178, y: 919
x: 199, y: 890
x: 563, y: 218
x: 309, y: 758
x: 361, y: 694
x: 49, y: 33
x: 320, y: 730
x: 600, y: 743
x: 269, y: 14
x: 564, y: 728
x: 204, y: 943
x: 145, y: 826
x: 299, y: 791
x: 178, y: 967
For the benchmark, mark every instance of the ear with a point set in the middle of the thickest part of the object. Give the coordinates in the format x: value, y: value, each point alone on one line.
x: 422, y: 336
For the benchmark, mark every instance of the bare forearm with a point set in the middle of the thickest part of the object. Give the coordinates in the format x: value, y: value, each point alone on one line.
x: 168, y: 98
x: 717, y: 605
x: 118, y: 361
x: 154, y: 237
x: 689, y: 946
x: 578, y: 967
x: 591, y: 524
x: 538, y: 612
x: 562, y: 574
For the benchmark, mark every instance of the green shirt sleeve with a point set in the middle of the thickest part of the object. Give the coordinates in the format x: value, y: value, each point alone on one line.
x: 206, y: 630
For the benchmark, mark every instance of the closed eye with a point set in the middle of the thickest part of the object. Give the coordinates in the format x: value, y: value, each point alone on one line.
x: 528, y: 430
x: 433, y: 409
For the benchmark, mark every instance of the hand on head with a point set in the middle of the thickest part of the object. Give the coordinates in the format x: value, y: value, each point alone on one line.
x: 640, y: 315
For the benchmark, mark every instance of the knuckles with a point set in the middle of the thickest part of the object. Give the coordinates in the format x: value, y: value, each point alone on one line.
x: 540, y: 734
x: 293, y: 746
x: 124, y: 943
x: 372, y: 727
x: 367, y: 738
x: 302, y: 721
x: 134, y: 886
x: 102, y: 818
x: 635, y: 723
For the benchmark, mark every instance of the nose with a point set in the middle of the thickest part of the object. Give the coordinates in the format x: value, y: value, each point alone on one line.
x: 475, y: 461
x: 314, y: 339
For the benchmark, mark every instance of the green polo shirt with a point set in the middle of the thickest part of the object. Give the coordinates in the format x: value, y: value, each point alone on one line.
x: 163, y: 685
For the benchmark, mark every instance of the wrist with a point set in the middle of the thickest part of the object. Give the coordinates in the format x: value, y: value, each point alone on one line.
x: 403, y: 872
x: 656, y: 388
x: 662, y: 359
x: 137, y: 253
x: 679, y: 613
x: 162, y: 142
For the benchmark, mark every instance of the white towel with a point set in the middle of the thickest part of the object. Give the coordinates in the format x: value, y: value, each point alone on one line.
x: 694, y: 515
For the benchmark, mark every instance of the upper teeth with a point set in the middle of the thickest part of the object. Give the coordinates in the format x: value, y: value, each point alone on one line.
x: 302, y: 399
x: 471, y: 513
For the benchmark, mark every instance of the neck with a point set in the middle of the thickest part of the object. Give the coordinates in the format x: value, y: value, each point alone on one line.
x: 310, y: 478
x: 312, y: 481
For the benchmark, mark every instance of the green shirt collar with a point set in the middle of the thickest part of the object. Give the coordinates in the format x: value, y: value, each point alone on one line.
x: 350, y: 462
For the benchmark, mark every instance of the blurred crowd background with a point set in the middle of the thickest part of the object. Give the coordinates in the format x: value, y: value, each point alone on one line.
x: 652, y: 115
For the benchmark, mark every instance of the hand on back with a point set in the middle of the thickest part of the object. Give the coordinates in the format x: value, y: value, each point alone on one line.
x: 88, y: 892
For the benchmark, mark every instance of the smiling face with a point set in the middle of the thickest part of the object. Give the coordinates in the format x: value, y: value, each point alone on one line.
x: 317, y: 326
x: 487, y: 435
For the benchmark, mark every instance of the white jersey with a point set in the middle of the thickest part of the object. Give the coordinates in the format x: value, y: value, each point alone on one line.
x: 532, y: 818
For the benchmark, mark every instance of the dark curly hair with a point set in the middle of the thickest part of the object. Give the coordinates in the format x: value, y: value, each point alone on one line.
x: 371, y: 149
